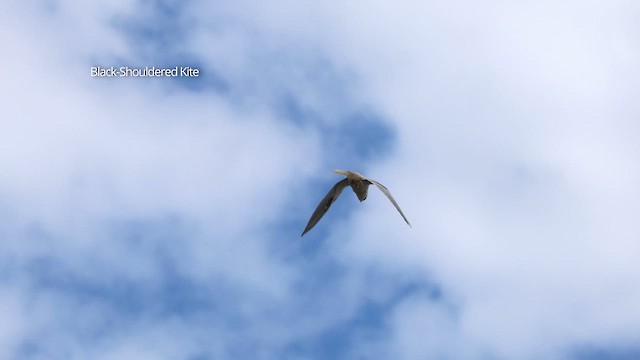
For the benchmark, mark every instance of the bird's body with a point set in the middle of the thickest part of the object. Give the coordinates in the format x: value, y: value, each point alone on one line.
x: 358, y: 183
x: 360, y: 186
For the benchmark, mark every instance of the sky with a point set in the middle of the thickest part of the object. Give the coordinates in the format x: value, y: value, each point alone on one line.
x: 160, y: 218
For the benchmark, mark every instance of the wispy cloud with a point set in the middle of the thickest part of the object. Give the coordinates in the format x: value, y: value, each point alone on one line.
x: 155, y: 218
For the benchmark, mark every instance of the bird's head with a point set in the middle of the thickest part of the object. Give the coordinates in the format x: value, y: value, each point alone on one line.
x: 361, y: 189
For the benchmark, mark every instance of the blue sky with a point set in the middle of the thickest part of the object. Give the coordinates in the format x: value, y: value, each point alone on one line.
x: 161, y: 218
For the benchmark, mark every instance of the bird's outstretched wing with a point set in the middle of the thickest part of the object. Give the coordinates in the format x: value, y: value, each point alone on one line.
x: 388, y: 194
x: 325, y: 204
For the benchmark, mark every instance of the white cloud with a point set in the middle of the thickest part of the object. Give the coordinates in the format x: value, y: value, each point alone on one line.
x: 517, y: 163
x: 80, y: 155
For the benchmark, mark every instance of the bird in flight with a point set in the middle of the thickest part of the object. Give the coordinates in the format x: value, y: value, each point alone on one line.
x: 359, y: 184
